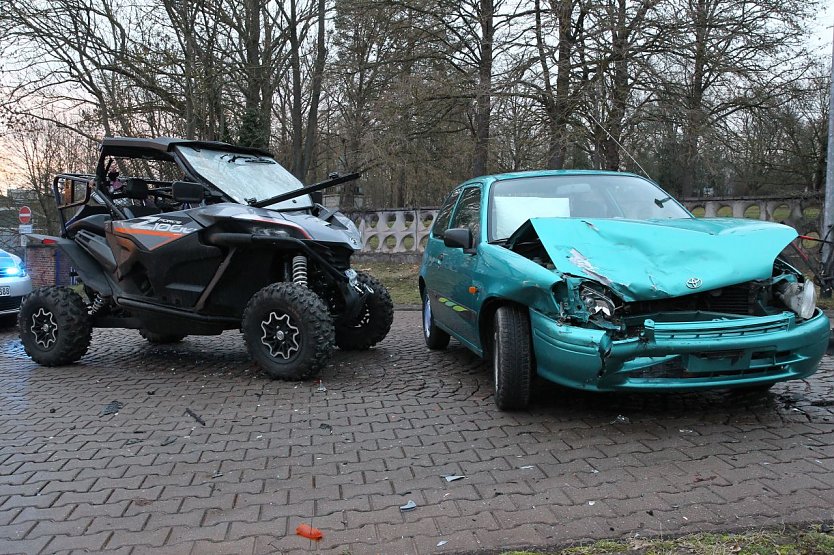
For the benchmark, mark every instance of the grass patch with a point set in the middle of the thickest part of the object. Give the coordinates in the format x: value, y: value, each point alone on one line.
x: 814, y: 540
x: 400, y: 279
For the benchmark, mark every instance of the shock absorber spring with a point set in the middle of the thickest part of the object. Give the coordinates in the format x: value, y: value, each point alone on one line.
x: 299, y: 269
x: 98, y: 304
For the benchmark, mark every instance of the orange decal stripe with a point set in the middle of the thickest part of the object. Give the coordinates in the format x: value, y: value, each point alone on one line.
x: 135, y: 231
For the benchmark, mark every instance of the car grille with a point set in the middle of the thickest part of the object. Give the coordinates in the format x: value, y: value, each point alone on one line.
x: 673, y: 369
x: 9, y: 303
x: 735, y: 299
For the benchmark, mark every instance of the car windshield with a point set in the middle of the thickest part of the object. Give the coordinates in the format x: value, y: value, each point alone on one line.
x: 245, y: 177
x: 514, y: 201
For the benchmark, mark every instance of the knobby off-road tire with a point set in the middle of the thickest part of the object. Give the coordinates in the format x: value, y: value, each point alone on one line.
x: 161, y: 338
x: 288, y: 331
x: 374, y: 322
x: 512, y: 358
x: 436, y: 339
x: 54, y: 326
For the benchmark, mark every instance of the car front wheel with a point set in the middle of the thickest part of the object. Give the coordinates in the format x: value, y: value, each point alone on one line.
x: 436, y: 338
x: 54, y: 326
x: 512, y: 358
x: 288, y: 331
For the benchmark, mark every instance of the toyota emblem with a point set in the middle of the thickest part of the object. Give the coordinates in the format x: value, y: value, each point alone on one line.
x: 693, y: 283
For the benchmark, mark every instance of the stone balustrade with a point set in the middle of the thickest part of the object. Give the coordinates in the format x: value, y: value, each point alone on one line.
x: 406, y: 230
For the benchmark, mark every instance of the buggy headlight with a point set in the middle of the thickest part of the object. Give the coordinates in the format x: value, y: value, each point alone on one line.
x: 799, y: 297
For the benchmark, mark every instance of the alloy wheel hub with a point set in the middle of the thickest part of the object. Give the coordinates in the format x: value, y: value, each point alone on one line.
x: 280, y: 336
x: 44, y: 328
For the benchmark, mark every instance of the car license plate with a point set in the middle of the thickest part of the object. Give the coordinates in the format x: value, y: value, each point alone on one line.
x: 5, y: 291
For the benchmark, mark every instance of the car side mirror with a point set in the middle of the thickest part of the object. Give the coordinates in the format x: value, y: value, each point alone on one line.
x: 186, y: 191
x: 458, y: 238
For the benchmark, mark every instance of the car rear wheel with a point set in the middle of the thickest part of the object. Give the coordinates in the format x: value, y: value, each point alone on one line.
x: 436, y: 338
x: 512, y: 358
x: 374, y: 322
x: 161, y: 338
x: 288, y: 331
x: 54, y: 326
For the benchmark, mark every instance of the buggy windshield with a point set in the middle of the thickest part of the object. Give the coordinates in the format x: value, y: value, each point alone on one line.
x: 245, y: 177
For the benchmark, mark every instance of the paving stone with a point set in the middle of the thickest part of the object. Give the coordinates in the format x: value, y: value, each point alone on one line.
x: 396, y: 418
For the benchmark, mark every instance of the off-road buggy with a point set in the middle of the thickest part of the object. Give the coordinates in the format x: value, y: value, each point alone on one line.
x: 213, y: 237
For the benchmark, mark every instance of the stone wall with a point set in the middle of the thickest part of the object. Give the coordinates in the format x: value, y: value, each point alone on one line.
x: 406, y: 230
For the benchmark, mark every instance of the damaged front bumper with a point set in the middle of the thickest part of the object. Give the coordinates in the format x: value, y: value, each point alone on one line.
x: 695, y: 351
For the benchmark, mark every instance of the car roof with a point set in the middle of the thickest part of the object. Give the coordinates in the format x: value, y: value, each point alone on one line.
x: 546, y: 173
x: 159, y: 147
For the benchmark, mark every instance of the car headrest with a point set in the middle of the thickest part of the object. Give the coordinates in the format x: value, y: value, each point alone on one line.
x: 136, y: 188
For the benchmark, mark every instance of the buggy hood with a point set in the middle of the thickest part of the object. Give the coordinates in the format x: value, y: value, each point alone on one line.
x: 655, y: 259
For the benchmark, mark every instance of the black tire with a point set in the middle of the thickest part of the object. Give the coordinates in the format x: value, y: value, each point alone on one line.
x: 288, y: 331
x: 161, y: 338
x: 375, y: 321
x: 512, y: 358
x: 436, y: 339
x: 54, y: 326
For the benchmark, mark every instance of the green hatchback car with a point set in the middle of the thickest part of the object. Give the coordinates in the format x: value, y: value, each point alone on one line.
x: 602, y: 281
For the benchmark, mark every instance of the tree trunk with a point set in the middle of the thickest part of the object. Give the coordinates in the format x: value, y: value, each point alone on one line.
x: 483, y: 106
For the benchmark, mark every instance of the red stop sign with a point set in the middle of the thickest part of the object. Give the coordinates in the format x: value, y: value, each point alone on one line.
x: 25, y: 215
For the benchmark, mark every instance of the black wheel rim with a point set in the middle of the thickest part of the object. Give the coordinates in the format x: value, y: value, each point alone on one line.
x: 280, y: 336
x: 44, y: 329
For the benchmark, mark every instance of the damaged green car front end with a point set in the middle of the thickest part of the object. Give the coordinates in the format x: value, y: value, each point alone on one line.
x: 624, y: 288
x: 681, y: 304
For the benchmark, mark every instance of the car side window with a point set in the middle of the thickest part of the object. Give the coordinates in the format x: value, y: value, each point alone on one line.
x: 441, y: 222
x: 468, y: 213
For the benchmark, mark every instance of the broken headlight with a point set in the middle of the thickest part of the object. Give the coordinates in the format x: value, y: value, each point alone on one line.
x: 596, y: 302
x: 799, y: 297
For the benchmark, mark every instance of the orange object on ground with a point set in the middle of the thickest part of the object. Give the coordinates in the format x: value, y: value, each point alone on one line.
x: 307, y: 531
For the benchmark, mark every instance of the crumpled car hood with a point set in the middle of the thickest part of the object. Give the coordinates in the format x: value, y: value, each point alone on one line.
x: 654, y: 259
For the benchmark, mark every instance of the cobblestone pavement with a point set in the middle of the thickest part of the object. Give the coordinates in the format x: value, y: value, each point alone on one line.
x: 390, y: 425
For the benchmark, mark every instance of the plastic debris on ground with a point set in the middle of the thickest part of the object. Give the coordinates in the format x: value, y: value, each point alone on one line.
x: 527, y: 467
x: 307, y: 531
x: 621, y: 420
x: 441, y: 543
x: 326, y: 427
x: 410, y: 506
x: 453, y: 478
x: 321, y: 387
x: 195, y: 416
x: 113, y: 408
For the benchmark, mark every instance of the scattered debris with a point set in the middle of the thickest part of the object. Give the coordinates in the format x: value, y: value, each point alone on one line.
x: 142, y: 502
x: 169, y: 441
x: 321, y: 387
x: 217, y: 475
x: 195, y: 416
x: 307, y: 531
x: 453, y: 478
x: 133, y: 441
x: 699, y: 478
x: 650, y: 513
x: 592, y: 503
x: 326, y: 427
x: 527, y: 467
x: 410, y: 506
x: 686, y: 431
x: 441, y: 543
x: 51, y: 411
x: 621, y: 420
x: 113, y: 408
x: 152, y: 392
